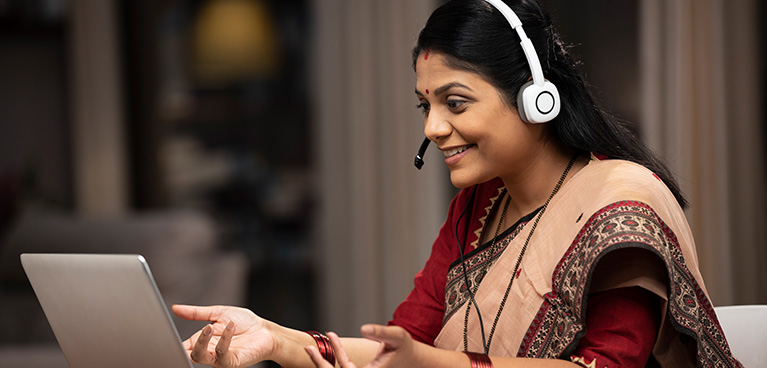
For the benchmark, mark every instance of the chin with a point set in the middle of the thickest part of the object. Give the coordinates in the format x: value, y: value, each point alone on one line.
x: 461, y: 182
x: 463, y: 178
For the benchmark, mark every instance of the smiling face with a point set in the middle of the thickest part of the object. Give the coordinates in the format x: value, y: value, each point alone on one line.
x: 481, y: 136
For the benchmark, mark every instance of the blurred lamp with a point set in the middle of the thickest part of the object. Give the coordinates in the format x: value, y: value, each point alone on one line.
x: 233, y: 40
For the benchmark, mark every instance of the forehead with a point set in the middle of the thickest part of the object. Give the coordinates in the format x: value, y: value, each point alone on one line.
x: 433, y: 70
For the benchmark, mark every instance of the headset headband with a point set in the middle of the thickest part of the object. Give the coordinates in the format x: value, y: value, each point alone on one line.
x: 537, y: 100
x: 527, y: 45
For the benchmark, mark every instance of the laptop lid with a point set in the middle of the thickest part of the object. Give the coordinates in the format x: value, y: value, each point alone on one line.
x: 105, y: 310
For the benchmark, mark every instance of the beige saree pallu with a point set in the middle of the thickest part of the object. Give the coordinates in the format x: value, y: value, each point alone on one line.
x: 608, y: 205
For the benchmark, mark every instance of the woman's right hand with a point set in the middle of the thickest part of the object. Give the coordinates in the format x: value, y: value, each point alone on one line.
x: 236, y: 336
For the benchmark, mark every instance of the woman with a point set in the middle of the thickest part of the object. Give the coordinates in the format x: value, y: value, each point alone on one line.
x: 567, y: 245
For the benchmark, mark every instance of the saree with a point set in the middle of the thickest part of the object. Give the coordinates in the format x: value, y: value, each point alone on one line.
x: 607, y: 206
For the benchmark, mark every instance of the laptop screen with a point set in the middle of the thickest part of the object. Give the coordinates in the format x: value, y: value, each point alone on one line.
x: 105, y: 310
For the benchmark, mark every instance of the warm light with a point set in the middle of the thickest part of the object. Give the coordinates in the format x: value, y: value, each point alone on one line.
x: 233, y: 40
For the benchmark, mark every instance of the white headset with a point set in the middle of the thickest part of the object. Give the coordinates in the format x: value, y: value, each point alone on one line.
x: 537, y: 100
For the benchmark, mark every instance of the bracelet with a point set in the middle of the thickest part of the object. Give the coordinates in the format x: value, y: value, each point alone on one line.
x: 479, y: 360
x: 324, y: 346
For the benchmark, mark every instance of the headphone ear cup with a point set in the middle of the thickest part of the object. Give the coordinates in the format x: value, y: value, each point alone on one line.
x: 521, y: 105
x: 538, y: 104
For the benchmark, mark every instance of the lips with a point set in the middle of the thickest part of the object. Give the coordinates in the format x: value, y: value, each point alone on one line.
x: 454, y: 151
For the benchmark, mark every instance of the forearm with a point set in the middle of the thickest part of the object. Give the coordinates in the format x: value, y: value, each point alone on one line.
x: 289, y: 348
x: 428, y: 356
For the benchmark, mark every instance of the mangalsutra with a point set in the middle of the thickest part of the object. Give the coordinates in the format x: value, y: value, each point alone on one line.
x: 492, y: 251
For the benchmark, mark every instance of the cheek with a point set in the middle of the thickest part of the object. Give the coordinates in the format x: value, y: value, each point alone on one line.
x: 501, y: 135
x: 509, y: 142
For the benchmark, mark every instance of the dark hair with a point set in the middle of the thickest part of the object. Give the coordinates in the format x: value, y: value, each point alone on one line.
x: 474, y: 36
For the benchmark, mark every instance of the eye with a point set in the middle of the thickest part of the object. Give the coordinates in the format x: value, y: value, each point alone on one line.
x: 456, y: 104
x: 424, y: 107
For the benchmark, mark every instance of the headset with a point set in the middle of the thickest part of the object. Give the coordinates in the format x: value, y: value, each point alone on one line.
x: 537, y: 100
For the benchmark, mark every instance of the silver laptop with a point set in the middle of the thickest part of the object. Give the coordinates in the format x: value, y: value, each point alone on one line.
x: 105, y: 310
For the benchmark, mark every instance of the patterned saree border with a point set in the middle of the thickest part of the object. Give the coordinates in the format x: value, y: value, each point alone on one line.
x: 483, y: 220
x: 456, y: 290
x: 558, y: 325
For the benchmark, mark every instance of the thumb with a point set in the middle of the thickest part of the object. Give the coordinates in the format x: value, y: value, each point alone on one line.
x: 393, y: 337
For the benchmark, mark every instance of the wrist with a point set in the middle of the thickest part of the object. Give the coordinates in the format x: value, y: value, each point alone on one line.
x: 277, y: 334
x: 427, y: 356
x: 477, y: 360
x: 286, y: 344
x: 289, y: 346
x: 324, y: 346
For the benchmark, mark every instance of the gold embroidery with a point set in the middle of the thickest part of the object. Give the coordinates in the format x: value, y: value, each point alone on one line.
x: 582, y: 362
x: 483, y: 219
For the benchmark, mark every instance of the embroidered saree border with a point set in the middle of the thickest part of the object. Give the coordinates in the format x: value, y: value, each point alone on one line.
x: 558, y: 325
x: 456, y: 290
x: 482, y: 221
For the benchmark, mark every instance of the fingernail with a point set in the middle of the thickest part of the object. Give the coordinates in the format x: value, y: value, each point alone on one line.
x: 230, y: 326
x: 206, y: 330
x: 367, y: 329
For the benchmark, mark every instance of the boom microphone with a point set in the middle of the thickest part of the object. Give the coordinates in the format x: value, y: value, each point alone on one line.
x: 421, y: 151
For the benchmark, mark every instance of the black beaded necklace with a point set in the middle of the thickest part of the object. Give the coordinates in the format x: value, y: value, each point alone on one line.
x: 492, y: 251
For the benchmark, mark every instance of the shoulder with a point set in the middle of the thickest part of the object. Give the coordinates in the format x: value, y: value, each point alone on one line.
x: 622, y: 180
x: 614, y: 169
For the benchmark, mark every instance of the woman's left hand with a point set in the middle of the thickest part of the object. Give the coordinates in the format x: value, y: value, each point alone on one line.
x: 396, y: 350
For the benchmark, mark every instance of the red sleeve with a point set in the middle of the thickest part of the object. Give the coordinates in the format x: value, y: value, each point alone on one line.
x: 621, y: 328
x: 422, y: 311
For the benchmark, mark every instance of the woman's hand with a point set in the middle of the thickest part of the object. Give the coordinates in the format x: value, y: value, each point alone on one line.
x: 235, y: 338
x: 397, y: 348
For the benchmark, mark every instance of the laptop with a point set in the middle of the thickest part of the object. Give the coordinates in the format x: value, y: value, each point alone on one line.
x: 105, y: 310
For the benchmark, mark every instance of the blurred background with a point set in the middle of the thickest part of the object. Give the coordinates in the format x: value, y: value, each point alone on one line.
x: 259, y: 152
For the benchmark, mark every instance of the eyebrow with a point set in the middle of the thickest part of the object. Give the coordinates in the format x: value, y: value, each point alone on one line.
x: 443, y: 89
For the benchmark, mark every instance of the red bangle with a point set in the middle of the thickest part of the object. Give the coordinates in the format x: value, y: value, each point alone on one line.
x: 324, y: 346
x: 479, y: 360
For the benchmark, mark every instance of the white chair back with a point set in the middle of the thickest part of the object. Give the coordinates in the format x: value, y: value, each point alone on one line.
x: 745, y: 327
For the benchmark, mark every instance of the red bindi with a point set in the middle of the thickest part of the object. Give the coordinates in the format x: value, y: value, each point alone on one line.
x: 427, y: 91
x: 426, y: 56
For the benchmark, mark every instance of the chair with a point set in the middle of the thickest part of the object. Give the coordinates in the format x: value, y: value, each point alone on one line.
x: 745, y: 327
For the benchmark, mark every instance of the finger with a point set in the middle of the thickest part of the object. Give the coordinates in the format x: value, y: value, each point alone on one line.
x: 341, y: 357
x: 187, y: 344
x: 200, y: 351
x: 195, y: 313
x: 393, y: 336
x: 222, y: 348
x: 317, y: 358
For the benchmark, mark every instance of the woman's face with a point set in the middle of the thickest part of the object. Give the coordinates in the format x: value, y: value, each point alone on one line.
x: 480, y: 135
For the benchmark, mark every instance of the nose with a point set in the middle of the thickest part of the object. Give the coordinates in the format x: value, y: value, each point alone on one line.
x: 436, y: 126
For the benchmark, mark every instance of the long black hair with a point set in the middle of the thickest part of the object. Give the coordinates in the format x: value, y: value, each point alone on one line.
x: 474, y: 36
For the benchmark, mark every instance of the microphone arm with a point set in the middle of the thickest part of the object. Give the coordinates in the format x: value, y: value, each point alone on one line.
x: 421, y: 152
